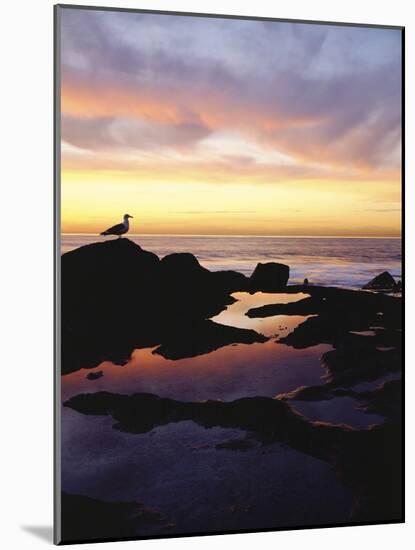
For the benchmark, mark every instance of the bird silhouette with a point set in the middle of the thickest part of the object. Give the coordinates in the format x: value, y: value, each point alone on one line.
x: 120, y: 228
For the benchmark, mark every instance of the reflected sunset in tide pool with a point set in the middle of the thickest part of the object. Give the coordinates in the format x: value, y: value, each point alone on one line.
x: 228, y: 373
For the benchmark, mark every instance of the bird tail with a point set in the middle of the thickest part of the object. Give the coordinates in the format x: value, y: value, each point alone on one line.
x: 104, y: 233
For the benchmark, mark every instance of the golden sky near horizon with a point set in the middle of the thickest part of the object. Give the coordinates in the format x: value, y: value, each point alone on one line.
x: 209, y: 126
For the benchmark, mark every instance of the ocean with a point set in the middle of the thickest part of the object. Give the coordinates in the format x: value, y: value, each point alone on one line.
x: 345, y: 262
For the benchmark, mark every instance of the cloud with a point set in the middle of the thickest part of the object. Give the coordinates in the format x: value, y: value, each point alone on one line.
x: 210, y: 212
x: 319, y: 94
x: 103, y: 133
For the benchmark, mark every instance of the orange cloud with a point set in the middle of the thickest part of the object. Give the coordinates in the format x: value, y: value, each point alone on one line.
x: 302, y: 137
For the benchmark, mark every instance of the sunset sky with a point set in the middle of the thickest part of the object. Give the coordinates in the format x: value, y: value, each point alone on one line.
x: 221, y: 126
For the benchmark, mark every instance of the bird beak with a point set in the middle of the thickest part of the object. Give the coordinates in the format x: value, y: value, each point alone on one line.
x: 131, y: 216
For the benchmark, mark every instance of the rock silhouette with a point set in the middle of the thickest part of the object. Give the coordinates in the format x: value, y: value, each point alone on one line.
x: 117, y: 297
x: 368, y: 461
x: 385, y: 400
x: 270, y: 277
x: 334, y: 313
x: 88, y: 519
x: 95, y: 375
x: 384, y: 281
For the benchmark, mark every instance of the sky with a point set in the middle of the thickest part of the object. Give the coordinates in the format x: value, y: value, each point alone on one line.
x: 222, y: 126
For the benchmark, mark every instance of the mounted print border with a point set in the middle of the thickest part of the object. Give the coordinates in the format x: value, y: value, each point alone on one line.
x: 229, y: 274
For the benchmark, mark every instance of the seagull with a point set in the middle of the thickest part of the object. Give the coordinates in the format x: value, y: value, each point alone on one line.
x: 120, y: 228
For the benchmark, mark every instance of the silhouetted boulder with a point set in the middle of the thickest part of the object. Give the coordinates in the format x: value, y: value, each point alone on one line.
x: 306, y: 306
x: 203, y: 337
x: 87, y: 519
x: 385, y: 400
x: 117, y: 297
x: 270, y: 277
x: 95, y: 375
x: 230, y: 281
x: 268, y: 419
x: 106, y: 279
x: 350, y: 365
x: 183, y: 274
x: 369, y: 462
x: 384, y: 281
x: 243, y: 444
x: 307, y: 393
x: 335, y: 312
x: 120, y: 259
x: 182, y: 264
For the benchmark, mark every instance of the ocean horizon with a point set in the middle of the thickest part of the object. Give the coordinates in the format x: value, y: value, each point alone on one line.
x: 339, y: 261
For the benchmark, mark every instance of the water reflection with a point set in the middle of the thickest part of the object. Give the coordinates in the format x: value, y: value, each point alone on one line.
x: 228, y: 373
x: 340, y: 410
x: 276, y: 326
x: 177, y: 470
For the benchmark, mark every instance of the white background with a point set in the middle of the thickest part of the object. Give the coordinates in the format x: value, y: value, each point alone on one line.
x: 26, y: 270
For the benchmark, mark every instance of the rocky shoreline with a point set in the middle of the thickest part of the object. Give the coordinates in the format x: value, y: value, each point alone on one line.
x: 117, y: 297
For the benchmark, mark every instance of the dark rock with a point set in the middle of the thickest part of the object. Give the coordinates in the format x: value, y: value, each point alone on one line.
x: 94, y: 375
x: 183, y: 268
x: 242, y: 444
x: 117, y: 297
x: 308, y: 393
x: 322, y: 329
x: 270, y: 277
x: 180, y: 270
x: 203, y: 337
x: 385, y: 400
x: 103, y: 278
x: 104, y: 286
x: 350, y: 365
x: 384, y: 281
x: 231, y: 281
x: 306, y: 306
x: 268, y: 418
x: 190, y: 291
x: 369, y: 462
x: 335, y: 302
x: 336, y: 312
x: 86, y: 519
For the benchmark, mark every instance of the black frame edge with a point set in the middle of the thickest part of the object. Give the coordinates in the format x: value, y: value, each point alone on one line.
x: 228, y: 16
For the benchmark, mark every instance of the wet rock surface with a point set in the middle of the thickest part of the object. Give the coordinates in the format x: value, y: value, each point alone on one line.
x: 382, y: 282
x: 385, y: 400
x: 117, y: 297
x: 363, y: 327
x: 350, y: 365
x: 269, y: 277
x: 94, y: 375
x: 203, y: 337
x: 367, y: 461
x: 88, y: 519
x: 236, y: 444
